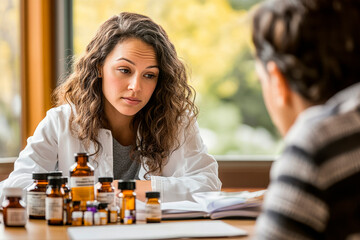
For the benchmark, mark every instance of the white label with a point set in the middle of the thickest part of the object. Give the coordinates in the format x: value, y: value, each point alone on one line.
x: 54, y: 208
x: 105, y: 197
x: 16, y: 216
x: 153, y: 210
x: 82, y: 181
x: 113, y: 217
x: 36, y: 203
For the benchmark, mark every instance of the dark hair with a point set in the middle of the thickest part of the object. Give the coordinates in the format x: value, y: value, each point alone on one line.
x: 170, y: 108
x: 315, y: 44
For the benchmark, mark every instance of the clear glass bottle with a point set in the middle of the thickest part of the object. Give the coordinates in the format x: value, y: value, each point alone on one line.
x: 105, y: 193
x: 128, y: 201
x: 14, y: 209
x: 153, y: 207
x: 82, y: 180
x: 36, y: 195
x: 54, y: 202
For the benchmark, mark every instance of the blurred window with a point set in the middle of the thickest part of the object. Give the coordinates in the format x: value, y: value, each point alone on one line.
x: 213, y: 38
x: 10, y: 96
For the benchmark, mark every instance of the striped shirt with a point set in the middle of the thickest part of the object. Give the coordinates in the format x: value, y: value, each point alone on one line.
x: 315, y: 184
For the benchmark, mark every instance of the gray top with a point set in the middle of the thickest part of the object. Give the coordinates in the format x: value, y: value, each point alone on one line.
x: 123, y: 167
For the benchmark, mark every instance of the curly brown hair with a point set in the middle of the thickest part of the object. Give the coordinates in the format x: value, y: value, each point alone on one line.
x: 170, y: 108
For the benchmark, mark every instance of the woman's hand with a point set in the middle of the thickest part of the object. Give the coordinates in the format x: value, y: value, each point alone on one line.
x: 142, y: 186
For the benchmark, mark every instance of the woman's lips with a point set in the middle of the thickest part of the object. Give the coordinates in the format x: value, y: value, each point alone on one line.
x: 131, y: 101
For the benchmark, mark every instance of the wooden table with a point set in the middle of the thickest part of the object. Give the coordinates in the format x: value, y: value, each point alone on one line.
x: 38, y: 229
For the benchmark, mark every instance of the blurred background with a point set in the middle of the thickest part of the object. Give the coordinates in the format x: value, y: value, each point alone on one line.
x: 213, y: 39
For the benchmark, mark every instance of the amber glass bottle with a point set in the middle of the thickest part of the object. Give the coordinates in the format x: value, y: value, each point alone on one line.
x: 153, y: 207
x: 105, y: 192
x: 36, y: 195
x: 54, y: 202
x: 14, y: 212
x: 128, y: 197
x: 66, y: 188
x: 82, y: 180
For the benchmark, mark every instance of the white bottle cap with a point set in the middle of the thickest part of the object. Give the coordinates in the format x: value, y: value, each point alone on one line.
x: 13, y: 192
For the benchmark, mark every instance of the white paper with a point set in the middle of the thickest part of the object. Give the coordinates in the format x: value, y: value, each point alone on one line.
x: 156, y: 231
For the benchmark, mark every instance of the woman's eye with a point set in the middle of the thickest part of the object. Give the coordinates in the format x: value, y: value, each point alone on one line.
x: 124, y: 70
x: 150, y: 76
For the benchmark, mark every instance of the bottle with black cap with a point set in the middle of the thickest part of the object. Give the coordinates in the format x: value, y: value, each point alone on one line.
x: 54, y: 202
x: 55, y: 173
x: 153, y: 207
x: 128, y: 201
x: 105, y: 192
x: 36, y: 195
x: 67, y: 190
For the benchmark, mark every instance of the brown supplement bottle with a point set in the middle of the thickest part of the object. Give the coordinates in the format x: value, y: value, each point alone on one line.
x: 36, y: 195
x: 153, y: 207
x: 66, y: 188
x: 54, y: 202
x: 82, y: 180
x: 128, y: 196
x: 14, y: 211
x: 105, y: 193
x: 67, y: 211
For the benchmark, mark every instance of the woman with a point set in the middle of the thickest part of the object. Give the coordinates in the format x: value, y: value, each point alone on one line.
x: 128, y: 104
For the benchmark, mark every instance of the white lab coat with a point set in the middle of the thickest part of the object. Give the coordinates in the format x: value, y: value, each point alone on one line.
x: 189, y: 169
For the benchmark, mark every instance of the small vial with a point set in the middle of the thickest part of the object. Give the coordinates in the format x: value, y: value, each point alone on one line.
x: 97, y: 218
x: 128, y: 206
x: 88, y: 218
x: 153, y: 207
x: 77, y: 218
x: 14, y: 211
x: 67, y: 191
x: 103, y: 211
x: 54, y: 202
x: 77, y: 215
x: 113, y: 214
x: 92, y: 206
x: 105, y: 192
x: 36, y: 195
x: 67, y: 211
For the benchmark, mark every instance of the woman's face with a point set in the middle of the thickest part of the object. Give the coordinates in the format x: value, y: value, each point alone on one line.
x: 129, y: 77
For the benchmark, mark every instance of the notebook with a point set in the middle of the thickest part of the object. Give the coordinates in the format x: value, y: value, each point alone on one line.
x: 189, y: 229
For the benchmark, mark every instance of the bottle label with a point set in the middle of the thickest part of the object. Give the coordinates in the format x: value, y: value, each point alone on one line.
x: 54, y: 207
x: 113, y: 217
x: 82, y: 188
x: 36, y: 204
x: 16, y: 216
x: 153, y: 210
x: 129, y: 216
x: 105, y: 197
x: 82, y: 181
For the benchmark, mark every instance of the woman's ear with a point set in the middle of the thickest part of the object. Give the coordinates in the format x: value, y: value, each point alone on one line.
x: 278, y: 84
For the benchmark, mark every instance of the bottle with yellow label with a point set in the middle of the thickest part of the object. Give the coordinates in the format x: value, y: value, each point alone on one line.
x: 82, y: 180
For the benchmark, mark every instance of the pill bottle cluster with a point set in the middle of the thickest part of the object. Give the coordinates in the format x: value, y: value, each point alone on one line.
x: 51, y: 198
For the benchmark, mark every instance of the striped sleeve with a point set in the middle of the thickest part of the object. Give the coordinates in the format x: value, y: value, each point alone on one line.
x: 294, y: 208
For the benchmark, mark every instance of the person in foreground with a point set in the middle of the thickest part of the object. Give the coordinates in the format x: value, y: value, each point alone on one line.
x: 128, y: 104
x: 308, y: 55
